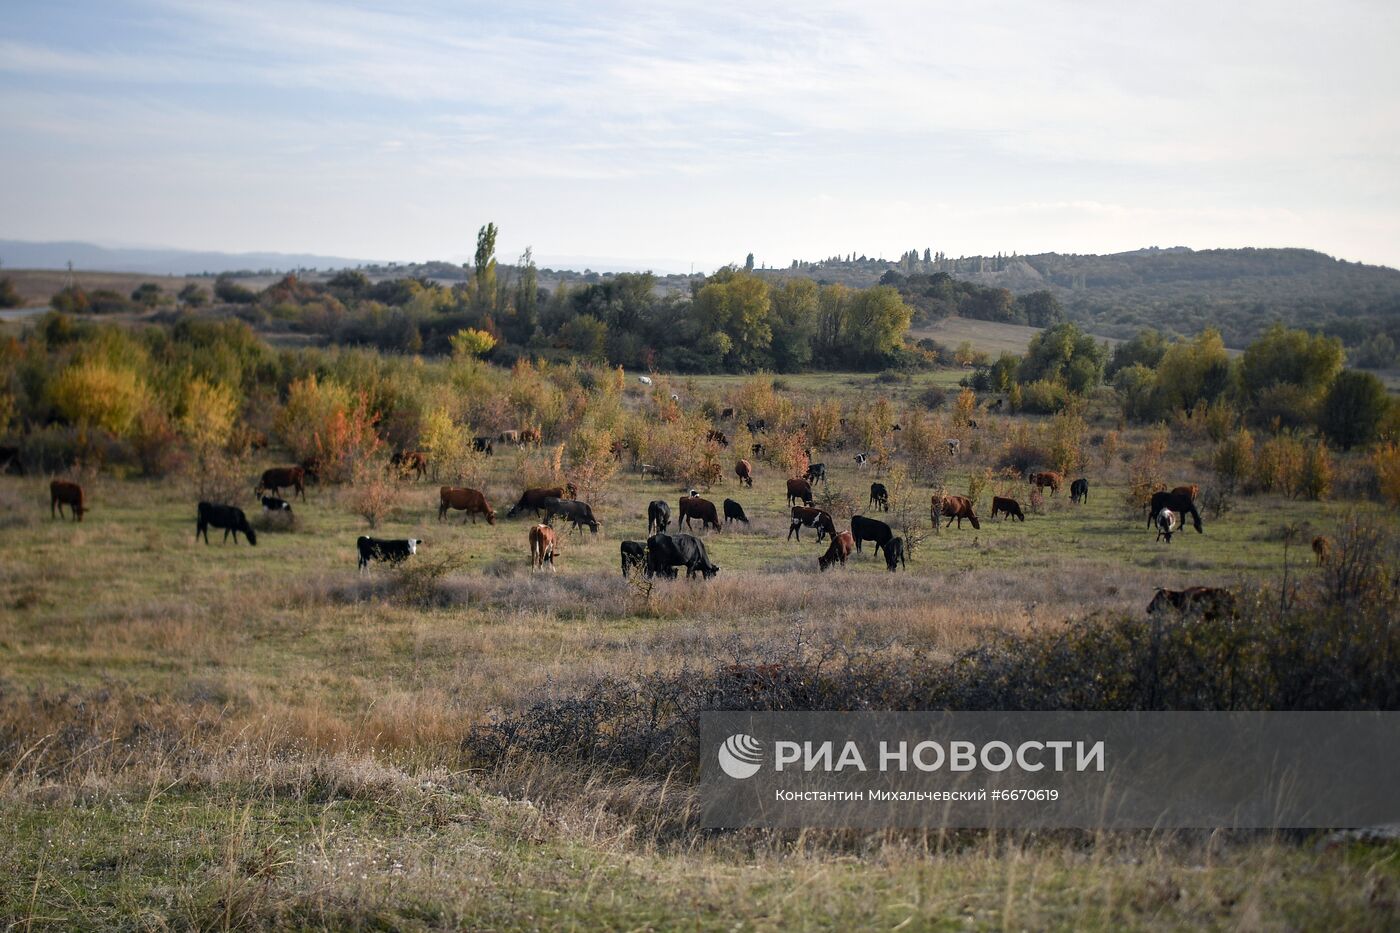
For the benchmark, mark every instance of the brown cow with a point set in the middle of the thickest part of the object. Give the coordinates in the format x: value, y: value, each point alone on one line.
x: 61, y: 493
x: 695, y: 507
x: 533, y: 499
x: 1211, y: 602
x: 1053, y: 480
x: 958, y: 507
x: 799, y: 489
x: 840, y: 549
x: 530, y: 436
x: 275, y: 479
x: 509, y: 437
x: 409, y: 461
x: 744, y: 470
x: 543, y: 546
x: 806, y: 517
x: 1322, y: 547
x: 470, y: 501
x: 1008, y: 507
x: 1191, y: 492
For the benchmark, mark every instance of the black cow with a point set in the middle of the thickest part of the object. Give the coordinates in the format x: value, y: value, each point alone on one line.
x: 757, y: 450
x: 484, y: 445
x: 688, y: 551
x: 579, y: 513
x: 1178, y: 503
x: 870, y: 529
x: 894, y: 554
x: 658, y: 514
x: 634, y: 556
x: 390, y: 550
x: 229, y: 518
x: 734, y: 512
x: 1079, y: 490
x: 274, y: 504
x: 816, y: 471
x: 879, y: 497
x: 757, y: 426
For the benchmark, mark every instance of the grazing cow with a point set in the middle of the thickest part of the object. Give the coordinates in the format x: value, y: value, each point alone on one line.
x: 693, y: 506
x: 644, y: 380
x: 484, y: 445
x: 675, y: 397
x: 1008, y: 507
x: 509, y: 437
x: 879, y: 497
x: 896, y: 428
x: 954, y: 445
x: 1182, y: 505
x: 1192, y: 492
x: 894, y: 555
x: 61, y: 493
x: 543, y: 545
x: 230, y: 518
x: 744, y: 470
x: 634, y: 556
x: 274, y: 504
x: 533, y: 499
x: 1322, y: 547
x: 658, y: 515
x: 805, y: 517
x: 717, y: 437
x: 1053, y: 480
x: 756, y: 450
x: 1210, y: 602
x: 727, y: 414
x: 840, y: 549
x: 579, y: 513
x: 530, y: 436
x: 688, y: 551
x: 734, y: 512
x: 392, y: 551
x: 1079, y: 490
x: 757, y: 426
x: 870, y: 529
x: 799, y: 489
x: 1167, y: 524
x: 862, y: 460
x: 952, y: 507
x: 405, y: 462
x: 471, y: 501
x: 279, y: 478
x: 816, y: 471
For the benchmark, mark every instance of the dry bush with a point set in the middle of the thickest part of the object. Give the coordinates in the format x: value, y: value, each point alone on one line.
x: 1233, y: 461
x: 907, y: 511
x: 835, y: 501
x: 1385, y: 460
x: 373, y: 493
x: 1278, y: 467
x: 1146, y: 473
x: 591, y: 462
x: 977, y: 483
x: 540, y: 466
x: 223, y: 478
x: 1315, y: 472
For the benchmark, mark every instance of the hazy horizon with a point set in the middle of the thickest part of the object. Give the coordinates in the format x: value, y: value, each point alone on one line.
x: 659, y: 136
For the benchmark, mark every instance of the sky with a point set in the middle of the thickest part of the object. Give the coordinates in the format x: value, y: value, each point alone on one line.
x: 670, y: 135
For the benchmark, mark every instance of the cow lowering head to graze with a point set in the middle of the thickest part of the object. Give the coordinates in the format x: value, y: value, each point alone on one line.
x: 839, y: 550
x: 862, y: 460
x: 392, y: 551
x: 734, y: 512
x: 953, y: 507
x: 1079, y: 490
x: 688, y: 551
x: 279, y: 478
x: 1322, y: 547
x: 405, y: 462
x: 658, y: 516
x: 61, y: 493
x: 1192, y: 492
x: 1180, y: 504
x: 808, y: 517
x: 1042, y: 480
x: 579, y: 514
x: 695, y: 507
x: 274, y: 504
x: 799, y: 489
x: 533, y: 499
x: 757, y: 426
x: 471, y: 501
x: 484, y: 445
x: 543, y: 544
x: 717, y: 437
x: 531, y: 436
x: 634, y: 556
x: 1001, y: 505
x: 894, y: 555
x: 815, y: 472
x: 726, y: 415
x: 879, y: 497
x: 870, y: 529
x: 744, y: 470
x: 1167, y: 524
x: 1209, y: 602
x: 228, y: 517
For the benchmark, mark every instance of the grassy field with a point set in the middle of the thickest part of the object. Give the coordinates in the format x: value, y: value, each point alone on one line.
x: 240, y: 737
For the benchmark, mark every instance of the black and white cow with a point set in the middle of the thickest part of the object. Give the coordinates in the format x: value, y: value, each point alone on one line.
x: 389, y: 550
x: 274, y: 504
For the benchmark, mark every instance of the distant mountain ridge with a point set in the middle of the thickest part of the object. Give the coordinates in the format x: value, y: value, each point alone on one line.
x: 21, y: 254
